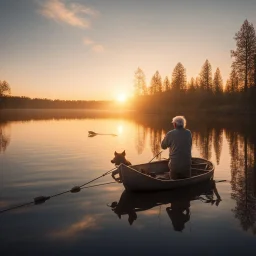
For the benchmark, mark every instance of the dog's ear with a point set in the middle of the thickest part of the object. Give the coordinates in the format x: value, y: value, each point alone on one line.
x: 115, y: 153
x: 123, y: 153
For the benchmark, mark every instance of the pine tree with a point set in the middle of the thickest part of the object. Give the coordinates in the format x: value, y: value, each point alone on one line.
x: 197, y: 83
x: 244, y: 54
x: 140, y: 87
x: 217, y: 82
x: 206, y: 77
x: 255, y: 70
x: 228, y: 87
x: 166, y: 84
x: 234, y: 81
x: 156, y: 84
x: 4, y: 88
x: 179, y: 78
x: 192, y: 85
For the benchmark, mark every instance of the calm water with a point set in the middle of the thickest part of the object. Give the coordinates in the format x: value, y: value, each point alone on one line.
x: 44, y: 153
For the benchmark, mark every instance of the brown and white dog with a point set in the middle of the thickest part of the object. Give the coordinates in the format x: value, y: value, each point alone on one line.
x: 120, y: 159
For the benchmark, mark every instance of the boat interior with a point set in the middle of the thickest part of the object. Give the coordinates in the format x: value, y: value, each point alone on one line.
x: 160, y: 169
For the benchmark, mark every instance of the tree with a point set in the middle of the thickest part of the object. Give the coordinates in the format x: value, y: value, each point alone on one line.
x: 166, y: 84
x: 234, y: 81
x: 4, y: 88
x: 206, y: 77
x: 192, y: 85
x: 156, y: 83
x: 217, y: 82
x: 228, y: 87
x: 140, y: 87
x: 179, y: 78
x: 255, y: 70
x: 244, y: 54
x: 197, y: 83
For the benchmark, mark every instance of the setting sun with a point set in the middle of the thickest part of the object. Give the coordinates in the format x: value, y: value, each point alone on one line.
x: 121, y: 97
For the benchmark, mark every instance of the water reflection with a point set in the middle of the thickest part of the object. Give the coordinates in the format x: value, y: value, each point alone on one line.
x: 179, y: 199
x: 155, y: 141
x: 140, y: 138
x: 243, y: 181
x: 5, y: 137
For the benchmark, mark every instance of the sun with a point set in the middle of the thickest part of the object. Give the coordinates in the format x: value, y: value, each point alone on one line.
x: 121, y: 97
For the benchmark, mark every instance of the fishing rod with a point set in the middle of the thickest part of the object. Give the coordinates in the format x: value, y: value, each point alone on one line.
x: 155, y: 156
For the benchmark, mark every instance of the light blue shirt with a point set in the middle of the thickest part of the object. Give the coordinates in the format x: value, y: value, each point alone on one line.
x: 179, y: 142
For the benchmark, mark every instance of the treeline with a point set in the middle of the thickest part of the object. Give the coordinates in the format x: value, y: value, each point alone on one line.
x: 11, y: 102
x: 207, y: 91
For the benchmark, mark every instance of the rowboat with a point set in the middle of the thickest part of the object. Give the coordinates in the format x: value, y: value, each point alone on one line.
x: 154, y: 176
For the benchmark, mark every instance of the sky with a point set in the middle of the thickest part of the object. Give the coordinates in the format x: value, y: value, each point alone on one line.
x: 90, y: 49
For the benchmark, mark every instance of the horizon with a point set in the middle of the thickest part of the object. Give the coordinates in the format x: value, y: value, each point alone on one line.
x: 83, y: 50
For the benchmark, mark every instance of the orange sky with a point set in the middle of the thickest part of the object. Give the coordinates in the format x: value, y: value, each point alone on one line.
x: 90, y: 49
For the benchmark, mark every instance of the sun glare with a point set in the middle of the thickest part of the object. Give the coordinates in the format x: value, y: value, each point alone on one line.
x: 120, y: 129
x: 121, y: 97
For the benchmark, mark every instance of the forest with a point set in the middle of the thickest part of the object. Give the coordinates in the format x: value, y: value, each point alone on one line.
x: 207, y: 92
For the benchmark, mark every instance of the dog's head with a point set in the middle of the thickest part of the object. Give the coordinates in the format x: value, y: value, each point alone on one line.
x: 119, y: 158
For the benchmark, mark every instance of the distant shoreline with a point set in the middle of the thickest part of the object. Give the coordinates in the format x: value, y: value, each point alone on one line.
x: 9, y: 115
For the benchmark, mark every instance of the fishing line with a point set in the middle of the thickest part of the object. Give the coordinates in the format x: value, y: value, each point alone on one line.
x: 42, y: 199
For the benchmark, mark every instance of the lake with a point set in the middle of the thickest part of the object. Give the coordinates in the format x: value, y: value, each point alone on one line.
x: 45, y: 152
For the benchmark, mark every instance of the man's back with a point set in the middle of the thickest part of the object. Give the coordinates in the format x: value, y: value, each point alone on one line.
x: 179, y: 142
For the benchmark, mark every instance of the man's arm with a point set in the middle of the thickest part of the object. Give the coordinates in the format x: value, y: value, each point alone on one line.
x: 165, y: 142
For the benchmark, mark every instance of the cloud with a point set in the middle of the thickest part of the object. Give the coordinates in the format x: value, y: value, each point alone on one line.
x: 88, y: 41
x: 98, y: 48
x: 72, y: 14
x: 94, y: 46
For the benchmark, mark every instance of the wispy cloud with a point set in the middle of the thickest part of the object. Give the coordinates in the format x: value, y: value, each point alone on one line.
x: 88, y: 41
x: 94, y: 46
x: 98, y: 48
x: 72, y: 14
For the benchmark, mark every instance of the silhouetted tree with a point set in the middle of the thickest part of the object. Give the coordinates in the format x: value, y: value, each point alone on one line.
x: 155, y: 84
x: 234, y: 81
x: 244, y: 53
x: 140, y: 87
x: 206, y: 77
x: 197, y: 83
x: 179, y: 78
x: 255, y: 70
x: 167, y: 84
x: 4, y: 88
x: 217, y: 82
x: 192, y: 85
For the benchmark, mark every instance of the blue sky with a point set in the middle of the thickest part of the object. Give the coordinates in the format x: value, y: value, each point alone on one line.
x: 90, y: 49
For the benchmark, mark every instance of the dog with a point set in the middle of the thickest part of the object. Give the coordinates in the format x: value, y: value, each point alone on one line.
x: 120, y: 159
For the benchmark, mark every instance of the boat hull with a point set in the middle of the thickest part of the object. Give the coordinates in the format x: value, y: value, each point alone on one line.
x: 134, y: 180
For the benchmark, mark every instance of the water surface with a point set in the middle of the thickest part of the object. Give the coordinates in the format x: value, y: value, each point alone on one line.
x: 47, y: 153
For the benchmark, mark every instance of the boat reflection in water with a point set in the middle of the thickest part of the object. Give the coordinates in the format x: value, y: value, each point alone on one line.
x: 179, y: 200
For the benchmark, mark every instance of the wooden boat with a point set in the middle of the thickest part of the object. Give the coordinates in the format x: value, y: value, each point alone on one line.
x: 154, y: 176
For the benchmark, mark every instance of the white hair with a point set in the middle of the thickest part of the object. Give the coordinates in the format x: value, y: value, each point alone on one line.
x: 180, y: 121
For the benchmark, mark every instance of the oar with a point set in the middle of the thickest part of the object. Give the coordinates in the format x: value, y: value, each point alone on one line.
x: 92, y: 134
